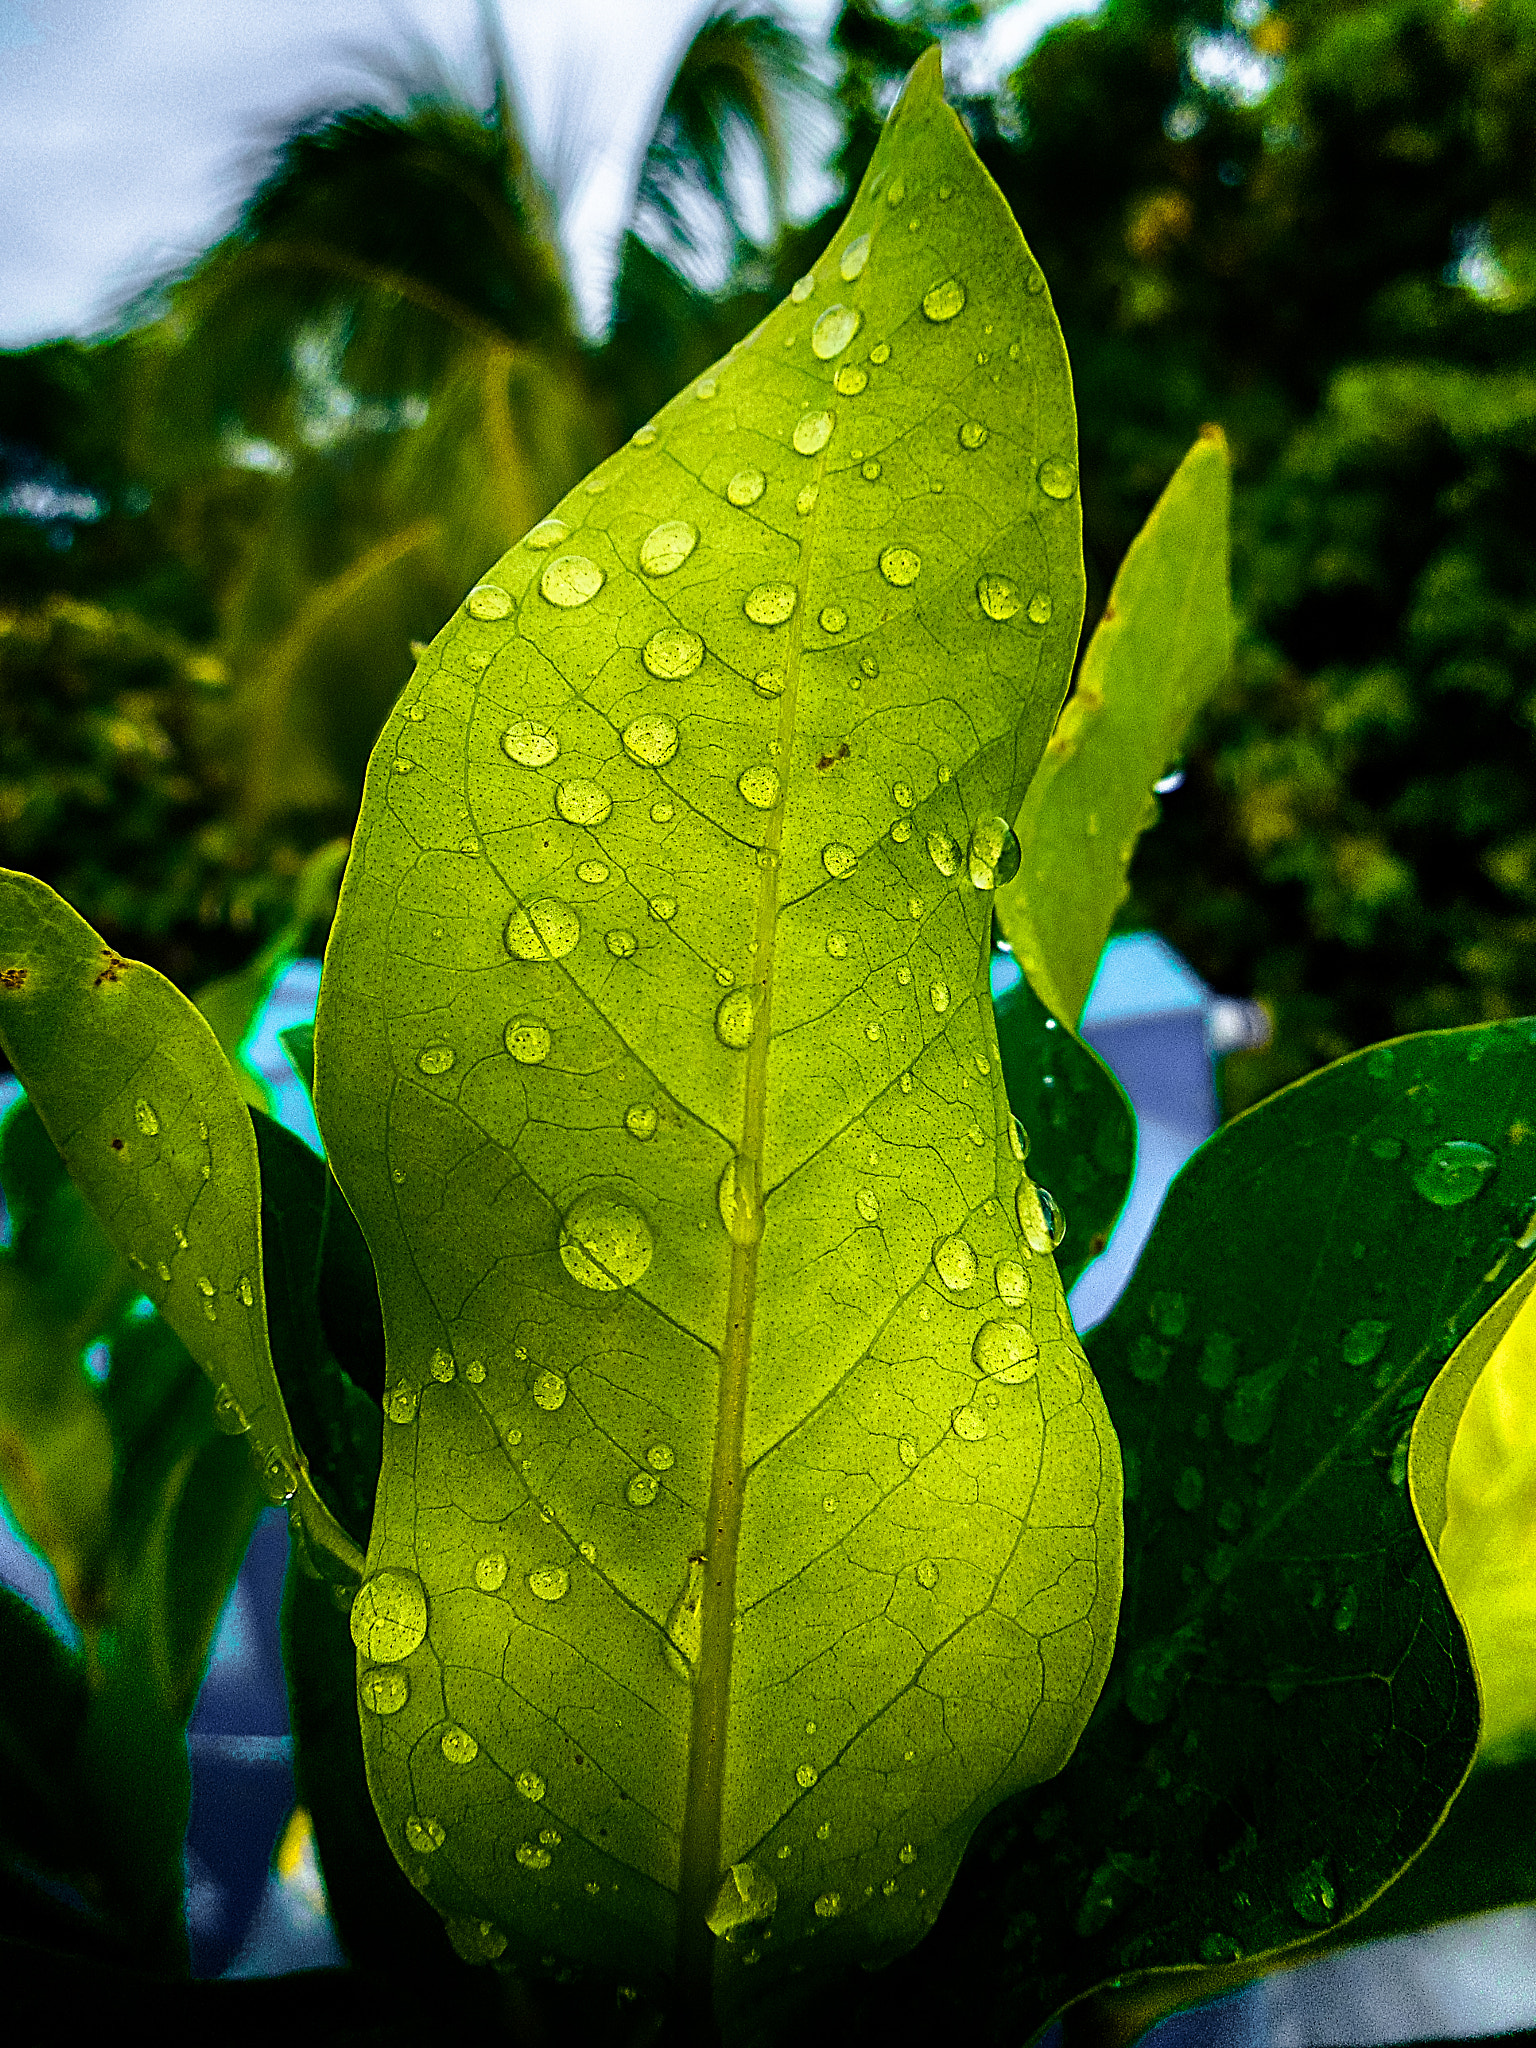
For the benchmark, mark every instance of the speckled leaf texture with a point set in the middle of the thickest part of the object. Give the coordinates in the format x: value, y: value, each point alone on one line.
x: 749, y: 1521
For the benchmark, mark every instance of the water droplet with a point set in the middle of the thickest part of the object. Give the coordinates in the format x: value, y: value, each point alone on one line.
x: 833, y: 618
x: 837, y: 945
x: 1454, y: 1172
x: 663, y: 907
x: 532, y: 1857
x: 872, y: 1032
x: 806, y: 1776
x: 1012, y: 1283
x: 641, y: 1490
x: 685, y: 1624
x: 870, y: 470
x: 955, y: 1263
x: 436, y: 1059
x: 973, y: 435
x: 244, y: 1293
x: 899, y: 566
x: 805, y: 501
x: 813, y: 430
x: 459, y: 1746
x: 938, y: 995
x: 828, y: 1905
x: 643, y: 437
x: 853, y: 259
x: 769, y: 682
x: 706, y: 387
x: 491, y: 1571
x: 389, y: 1616
x: 546, y: 930
x: 593, y: 871
x: 897, y: 193
x: 770, y: 604
x: 943, y: 852
x: 571, y: 580
x: 621, y: 944
x: 746, y: 487
x: 998, y: 597
x: 737, y: 1199
x: 668, y: 546
x: 530, y: 1785
x: 547, y: 534
x: 549, y: 1582
x: 424, y: 1833
x: 867, y: 1202
x: 549, y: 1391
x: 833, y: 332
x: 228, y: 1416
x: 993, y: 855
x: 488, y: 603
x: 400, y: 1403
x: 802, y: 288
x: 279, y: 1481
x: 604, y: 1243
x: 1018, y: 1140
x: 1040, y: 1217
x: 672, y: 652
x: 441, y: 1366
x: 839, y: 860
x: 734, y: 1020
x: 1040, y: 609
x: 530, y: 744
x: 850, y: 380
x: 880, y: 353
x: 652, y: 740
x: 527, y: 1040
x: 944, y: 301
x: 1347, y: 1612
x: 1312, y: 1896
x: 661, y: 812
x: 760, y: 786
x: 1005, y: 1351
x: 383, y: 1692
x: 1364, y: 1342
x: 969, y: 1423
x: 640, y: 1120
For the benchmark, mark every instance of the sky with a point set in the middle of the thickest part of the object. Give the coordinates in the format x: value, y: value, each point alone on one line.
x: 134, y: 130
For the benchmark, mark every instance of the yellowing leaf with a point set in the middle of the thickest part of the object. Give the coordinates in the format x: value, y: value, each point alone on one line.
x: 749, y: 1521
x: 1163, y: 645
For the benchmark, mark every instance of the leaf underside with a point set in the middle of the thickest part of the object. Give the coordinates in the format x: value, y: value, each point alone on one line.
x: 655, y: 1056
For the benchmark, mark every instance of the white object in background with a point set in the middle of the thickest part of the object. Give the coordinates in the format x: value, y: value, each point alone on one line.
x: 1461, y: 1981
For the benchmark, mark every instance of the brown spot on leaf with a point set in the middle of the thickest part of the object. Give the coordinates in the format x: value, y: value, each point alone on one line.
x: 1096, y: 1243
x: 831, y: 760
x: 117, y: 1144
x: 114, y: 968
x: 13, y: 978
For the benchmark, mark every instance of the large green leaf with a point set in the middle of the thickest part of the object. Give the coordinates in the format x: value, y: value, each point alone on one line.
x: 1163, y: 645
x: 1292, y: 1705
x: 749, y: 1521
x: 145, y: 1110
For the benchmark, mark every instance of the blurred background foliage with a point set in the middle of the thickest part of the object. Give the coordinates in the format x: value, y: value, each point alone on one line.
x: 1313, y: 221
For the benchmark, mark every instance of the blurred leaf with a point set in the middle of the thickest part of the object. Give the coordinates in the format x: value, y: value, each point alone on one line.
x: 1163, y: 645
x: 1078, y: 1122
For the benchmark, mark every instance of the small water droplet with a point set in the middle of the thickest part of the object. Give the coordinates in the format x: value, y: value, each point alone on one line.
x: 532, y: 1857
x: 944, y: 301
x: 850, y: 380
x: 837, y: 945
x: 530, y: 744
x: 870, y: 470
x: 435, y: 1059
x: 1364, y: 1342
x: 593, y: 871
x: 228, y: 1416
x: 1454, y: 1172
x: 549, y: 1582
x: 389, y: 1616
x: 901, y: 831
x: 834, y: 330
x: 1040, y: 1217
x: 1040, y: 609
x: 853, y: 259
x: 441, y: 1366
x: 899, y: 566
x: 605, y: 1244
x: 1347, y: 1612
x: 828, y: 1905
x: 734, y: 1020
x: 759, y: 785
x: 643, y: 437
x: 833, y: 618
x: 621, y: 944
x: 1312, y: 1895
x: 546, y: 930
x: 926, y: 1573
x: 672, y: 652
x: 839, y: 860
x: 973, y: 435
x: 802, y: 288
x: 867, y: 1202
x: 547, y: 534
x: 813, y: 430
x: 530, y: 1785
x: 652, y: 740
x: 998, y: 597
x: 969, y: 1423
x: 769, y: 682
x: 527, y: 1040
x: 938, y: 995
x: 943, y: 852
x: 746, y: 487
x: 1012, y: 1283
x: 805, y: 501
x: 736, y: 1197
x: 424, y: 1833
x: 880, y: 353
x: 706, y: 388
x: 770, y: 604
x: 400, y: 1403
x: 459, y: 1746
x: 640, y: 1120
x: 571, y: 580
x: 491, y: 1571
x: 668, y: 546
x: 1058, y: 479
x: 383, y: 1692
x: 641, y: 1490
x: 955, y: 1263
x: 1005, y: 1351
x: 488, y: 602
x: 685, y: 1625
x: 993, y: 855
x: 549, y: 1391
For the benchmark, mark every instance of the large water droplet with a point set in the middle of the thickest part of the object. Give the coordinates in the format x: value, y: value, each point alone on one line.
x: 1040, y: 1217
x: 1057, y: 478
x: 746, y: 487
x: 593, y: 871
x: 944, y: 852
x: 802, y: 288
x: 641, y: 1490
x: 734, y: 1020
x: 770, y: 604
x: 1006, y: 1352
x: 459, y: 1746
x: 834, y: 330
x: 532, y: 1857
x: 547, y: 534
x: 998, y: 597
x: 839, y: 860
x: 993, y: 855
x: 668, y: 546
x: 491, y: 1571
x: 583, y: 803
x: 549, y: 1582
x: 621, y: 944
x: 944, y: 301
x: 1454, y: 1172
x: 955, y: 1263
x: 145, y: 1118
x: 737, y: 1198
x: 973, y: 435
x: 424, y: 1833
x: 383, y: 1692
x: 389, y: 1616
x: 849, y: 382
x: 760, y: 786
x: 813, y: 430
x: 652, y: 740
x: 1012, y: 1283
x: 527, y: 1040
x: 769, y: 682
x: 899, y: 566
x: 853, y: 259
x: 685, y: 1624
x: 604, y: 1243
x: 969, y: 1424
x: 640, y: 1120
x: 488, y: 603
x: 530, y: 744
x: 745, y: 1896
x: 672, y: 652
x: 1040, y: 609
x: 546, y: 930
x: 571, y: 580
x: 530, y: 1785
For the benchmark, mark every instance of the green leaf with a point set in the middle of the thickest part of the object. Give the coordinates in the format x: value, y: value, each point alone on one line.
x: 1082, y: 1129
x: 1163, y: 645
x: 145, y: 1110
x: 1292, y: 1705
x: 655, y: 1055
